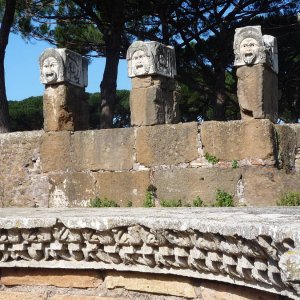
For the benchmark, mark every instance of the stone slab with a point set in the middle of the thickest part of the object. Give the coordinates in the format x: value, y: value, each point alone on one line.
x: 150, y: 283
x: 286, y: 146
x: 63, y: 278
x: 237, y: 140
x: 265, y: 186
x: 127, y: 186
x: 219, y: 291
x: 167, y: 144
x: 55, y: 151
x: 73, y: 189
x: 202, y: 182
x: 107, y: 149
x: 21, y: 181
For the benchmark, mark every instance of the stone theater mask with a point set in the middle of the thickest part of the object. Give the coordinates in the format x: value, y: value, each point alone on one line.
x: 140, y: 62
x: 51, y: 67
x: 63, y: 65
x: 249, y: 50
x: 151, y: 58
x: 249, y: 46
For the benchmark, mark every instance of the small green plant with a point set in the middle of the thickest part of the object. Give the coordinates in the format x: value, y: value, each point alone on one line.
x: 223, y: 199
x: 98, y: 202
x: 289, y: 199
x: 234, y: 164
x: 210, y: 158
x: 150, y: 196
x: 129, y: 204
x: 198, y: 202
x: 171, y: 203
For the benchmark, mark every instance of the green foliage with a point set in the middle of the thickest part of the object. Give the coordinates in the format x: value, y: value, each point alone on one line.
x: 98, y: 202
x: 129, y: 204
x: 289, y: 199
x: 198, y: 202
x: 171, y: 203
x: 210, y: 158
x: 26, y: 114
x: 150, y: 196
x: 149, y: 200
x: 234, y: 164
x: 223, y: 199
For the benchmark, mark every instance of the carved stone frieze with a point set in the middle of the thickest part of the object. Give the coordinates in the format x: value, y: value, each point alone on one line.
x: 151, y: 58
x: 250, y: 247
x: 63, y: 65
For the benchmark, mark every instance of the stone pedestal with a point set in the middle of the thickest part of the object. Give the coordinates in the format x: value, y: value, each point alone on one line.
x: 153, y: 100
x: 65, y: 108
x: 257, y: 92
x: 64, y: 74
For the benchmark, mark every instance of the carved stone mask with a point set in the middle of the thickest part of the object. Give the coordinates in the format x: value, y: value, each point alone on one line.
x: 140, y: 63
x: 50, y: 69
x: 249, y: 50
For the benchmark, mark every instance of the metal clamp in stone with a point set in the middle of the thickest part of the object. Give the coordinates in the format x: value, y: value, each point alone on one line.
x: 258, y: 248
x: 151, y: 58
x: 63, y: 66
x: 251, y: 47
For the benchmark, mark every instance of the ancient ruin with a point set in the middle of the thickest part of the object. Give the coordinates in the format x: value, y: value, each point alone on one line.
x: 153, y: 98
x: 64, y: 74
x: 256, y: 59
x: 60, y: 248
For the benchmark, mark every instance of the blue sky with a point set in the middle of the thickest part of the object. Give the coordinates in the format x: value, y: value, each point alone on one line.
x: 22, y: 70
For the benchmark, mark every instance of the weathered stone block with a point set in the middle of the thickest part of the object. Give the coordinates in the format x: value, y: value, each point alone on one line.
x: 147, y: 106
x: 21, y: 181
x: 264, y: 186
x: 150, y: 283
x: 173, y: 184
x: 71, y: 189
x: 55, y: 151
x: 153, y: 100
x: 221, y: 291
x: 63, y: 278
x: 237, y: 140
x: 167, y: 144
x: 257, y: 92
x: 65, y: 108
x: 286, y: 144
x: 110, y: 149
x: 123, y: 187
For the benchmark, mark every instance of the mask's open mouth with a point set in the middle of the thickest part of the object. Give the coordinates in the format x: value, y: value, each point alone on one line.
x: 249, y: 57
x: 50, y: 76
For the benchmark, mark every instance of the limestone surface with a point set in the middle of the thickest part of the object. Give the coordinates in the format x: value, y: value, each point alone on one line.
x: 243, y: 246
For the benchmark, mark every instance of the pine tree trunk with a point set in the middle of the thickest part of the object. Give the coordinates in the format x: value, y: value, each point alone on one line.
x: 7, y: 21
x: 109, y: 82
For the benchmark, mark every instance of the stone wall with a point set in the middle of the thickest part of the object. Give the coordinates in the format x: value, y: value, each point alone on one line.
x: 257, y: 162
